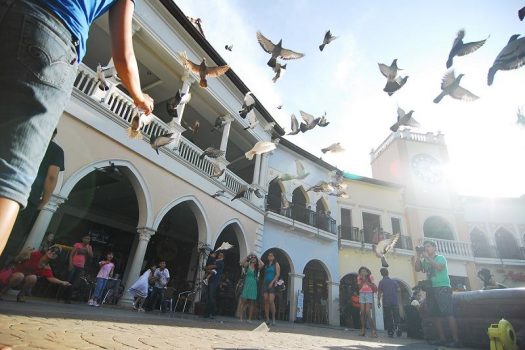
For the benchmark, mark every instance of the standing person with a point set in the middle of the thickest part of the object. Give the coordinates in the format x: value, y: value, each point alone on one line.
x: 210, y: 272
x: 251, y: 266
x: 29, y: 268
x: 139, y: 289
x: 161, y: 277
x: 272, y: 271
x: 77, y: 261
x: 439, y: 297
x: 213, y: 283
x: 41, y: 191
x: 106, y: 271
x: 48, y: 241
x: 388, y: 290
x: 366, y: 285
x: 42, y: 44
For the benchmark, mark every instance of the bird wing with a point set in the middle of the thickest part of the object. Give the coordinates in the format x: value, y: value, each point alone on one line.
x: 171, y: 105
x: 188, y: 64
x: 216, y: 171
x: 385, y: 70
x: 412, y: 122
x: 290, y: 55
x: 463, y: 94
x: 265, y: 43
x: 248, y: 99
x: 391, y: 243
x: 215, y: 72
x: 300, y: 168
x: 295, y: 123
x: 400, y: 113
x: 448, y: 79
x: 470, y: 47
x: 252, y: 118
x: 512, y: 55
x: 308, y: 118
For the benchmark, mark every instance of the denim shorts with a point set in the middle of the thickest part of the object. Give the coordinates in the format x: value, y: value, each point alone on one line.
x: 366, y: 298
x: 38, y: 67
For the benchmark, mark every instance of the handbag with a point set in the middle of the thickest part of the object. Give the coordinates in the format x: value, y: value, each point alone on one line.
x: 280, y: 286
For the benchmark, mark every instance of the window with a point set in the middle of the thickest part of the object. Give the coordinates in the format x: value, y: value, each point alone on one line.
x: 346, y: 223
x: 371, y: 227
x: 396, y: 225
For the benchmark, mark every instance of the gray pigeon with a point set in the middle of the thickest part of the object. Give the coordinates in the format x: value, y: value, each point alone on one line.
x: 276, y: 50
x: 216, y: 172
x: 394, y: 85
x: 328, y: 38
x: 390, y: 72
x: 321, y: 186
x: 278, y: 69
x: 158, y: 141
x: 404, y: 119
x: 334, y: 148
x: 310, y: 121
x: 450, y: 86
x: 294, y: 126
x: 247, y: 105
x: 323, y: 122
x: 521, y: 13
x: 240, y: 193
x: 106, y: 73
x: 220, y: 121
x: 252, y: 120
x: 228, y: 47
x: 257, y: 192
x: 197, y: 23
x: 220, y: 193
x: 212, y: 153
x: 173, y: 103
x: 461, y: 49
x: 512, y: 56
x: 393, y: 81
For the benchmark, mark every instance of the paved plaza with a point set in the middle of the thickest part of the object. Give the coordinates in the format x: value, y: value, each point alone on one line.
x: 44, y: 324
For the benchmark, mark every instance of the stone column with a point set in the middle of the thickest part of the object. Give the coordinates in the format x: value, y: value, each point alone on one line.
x: 333, y: 303
x: 256, y: 170
x: 145, y: 234
x: 263, y: 172
x: 296, y: 284
x: 187, y: 80
x: 41, y: 225
x: 226, y: 134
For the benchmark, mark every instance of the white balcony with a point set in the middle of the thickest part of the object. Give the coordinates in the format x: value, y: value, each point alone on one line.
x: 454, y: 249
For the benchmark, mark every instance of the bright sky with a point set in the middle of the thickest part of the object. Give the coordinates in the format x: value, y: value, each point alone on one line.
x: 485, y: 144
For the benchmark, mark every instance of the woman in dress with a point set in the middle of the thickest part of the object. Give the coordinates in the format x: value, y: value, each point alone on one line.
x: 367, y: 288
x: 139, y: 289
x: 272, y: 272
x: 251, y: 265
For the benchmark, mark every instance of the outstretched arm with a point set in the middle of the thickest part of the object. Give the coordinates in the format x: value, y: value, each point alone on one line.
x: 49, y: 185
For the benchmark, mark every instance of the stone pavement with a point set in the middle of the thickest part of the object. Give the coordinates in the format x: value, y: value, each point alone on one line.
x: 44, y: 324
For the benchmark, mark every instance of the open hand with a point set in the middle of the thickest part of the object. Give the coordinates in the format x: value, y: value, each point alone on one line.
x: 145, y: 104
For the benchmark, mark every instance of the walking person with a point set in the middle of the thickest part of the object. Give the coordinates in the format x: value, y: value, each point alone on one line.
x: 161, y: 277
x: 388, y: 290
x: 42, y: 44
x: 213, y: 284
x: 439, y: 297
x: 367, y: 288
x: 251, y: 265
x: 139, y: 289
x: 272, y: 272
x: 77, y: 262
x: 106, y: 271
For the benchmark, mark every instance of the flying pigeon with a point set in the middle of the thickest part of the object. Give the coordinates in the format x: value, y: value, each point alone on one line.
x: 301, y: 173
x: 461, y: 49
x: 279, y: 107
x: 216, y: 172
x: 138, y: 122
x: 512, y: 56
x: 294, y: 126
x: 404, y: 119
x: 193, y: 128
x: 224, y: 246
x: 212, y: 153
x: 328, y: 38
x: 339, y: 194
x: 383, y: 247
x: 390, y: 72
x: 257, y: 192
x: 276, y: 50
x: 220, y: 121
x: 309, y: 121
x: 240, y: 193
x: 450, y: 86
x: 260, y: 147
x: 269, y: 127
x: 323, y: 122
x: 203, y: 70
x: 160, y: 140
x: 247, y: 105
x: 228, y: 47
x: 276, y: 140
x: 173, y: 103
x: 321, y: 186
x: 220, y: 193
x: 197, y: 24
x: 279, y: 69
x: 338, y: 180
x: 521, y: 117
x: 521, y: 13
x: 252, y: 120
x: 106, y: 73
x: 394, y: 85
x: 335, y: 148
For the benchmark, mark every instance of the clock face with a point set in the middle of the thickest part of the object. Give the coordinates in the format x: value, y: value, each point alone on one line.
x: 427, y: 168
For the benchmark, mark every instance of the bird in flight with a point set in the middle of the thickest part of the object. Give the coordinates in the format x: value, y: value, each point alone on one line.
x: 276, y: 50
x: 203, y: 70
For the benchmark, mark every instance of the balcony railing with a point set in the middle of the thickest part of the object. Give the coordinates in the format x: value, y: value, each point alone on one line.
x: 122, y: 107
x: 449, y: 247
x: 297, y: 212
x: 356, y: 234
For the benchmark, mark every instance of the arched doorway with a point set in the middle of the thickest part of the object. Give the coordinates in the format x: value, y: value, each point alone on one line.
x: 480, y: 244
x: 403, y: 296
x: 508, y: 248
x: 321, y: 210
x: 349, y: 302
x: 299, y: 210
x: 282, y: 300
x: 273, y: 201
x: 315, y: 291
x: 437, y: 227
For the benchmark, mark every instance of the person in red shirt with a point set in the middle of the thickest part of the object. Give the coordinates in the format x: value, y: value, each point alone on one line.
x: 29, y: 268
x: 77, y: 261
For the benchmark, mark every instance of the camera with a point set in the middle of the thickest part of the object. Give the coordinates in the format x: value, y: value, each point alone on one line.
x: 420, y: 248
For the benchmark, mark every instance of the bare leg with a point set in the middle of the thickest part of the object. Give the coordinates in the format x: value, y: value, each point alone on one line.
x: 439, y: 324
x: 453, y: 327
x: 241, y: 306
x: 252, y: 306
x: 267, y: 307
x: 271, y: 297
x: 14, y: 281
x: 362, y: 317
x: 28, y: 283
x: 371, y: 321
x: 8, y: 212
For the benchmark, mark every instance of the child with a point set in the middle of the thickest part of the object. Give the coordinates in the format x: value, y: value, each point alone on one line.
x: 367, y: 288
x: 212, y: 272
x: 139, y: 289
x: 106, y: 270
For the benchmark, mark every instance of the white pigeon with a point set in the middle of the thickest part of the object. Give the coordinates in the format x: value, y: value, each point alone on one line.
x: 260, y: 147
x: 225, y: 246
x: 107, y: 74
x: 384, y: 246
x: 294, y: 125
x: 321, y: 186
x: 276, y: 50
x: 450, y: 86
x: 461, y: 49
x: 404, y: 119
x: 334, y: 148
x: 512, y: 56
x: 173, y: 104
x: 301, y: 172
x: 247, y: 105
x: 252, y: 120
x: 137, y: 123
x: 269, y: 127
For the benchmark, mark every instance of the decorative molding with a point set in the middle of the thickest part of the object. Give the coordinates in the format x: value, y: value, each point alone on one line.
x: 54, y: 203
x: 296, y: 275
x: 145, y: 233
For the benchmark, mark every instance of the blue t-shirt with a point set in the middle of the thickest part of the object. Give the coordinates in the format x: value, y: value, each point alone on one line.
x: 219, y: 267
x: 269, y: 272
x: 388, y: 288
x: 78, y: 15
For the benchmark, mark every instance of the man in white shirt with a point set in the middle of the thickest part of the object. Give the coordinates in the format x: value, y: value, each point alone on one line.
x: 161, y: 277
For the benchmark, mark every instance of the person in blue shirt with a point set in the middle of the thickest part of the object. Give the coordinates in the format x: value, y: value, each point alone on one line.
x: 42, y: 44
x: 213, y: 284
x: 387, y: 292
x: 272, y: 272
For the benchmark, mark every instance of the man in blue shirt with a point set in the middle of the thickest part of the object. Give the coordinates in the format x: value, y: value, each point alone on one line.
x: 388, y: 289
x: 213, y: 284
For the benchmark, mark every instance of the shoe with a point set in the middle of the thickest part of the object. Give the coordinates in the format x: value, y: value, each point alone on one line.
x: 95, y: 304
x: 141, y: 310
x: 454, y: 344
x: 273, y: 323
x: 362, y: 333
x: 90, y: 302
x: 135, y: 307
x: 374, y: 334
x: 399, y: 332
x: 20, y: 299
x: 267, y: 323
x: 205, y: 282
